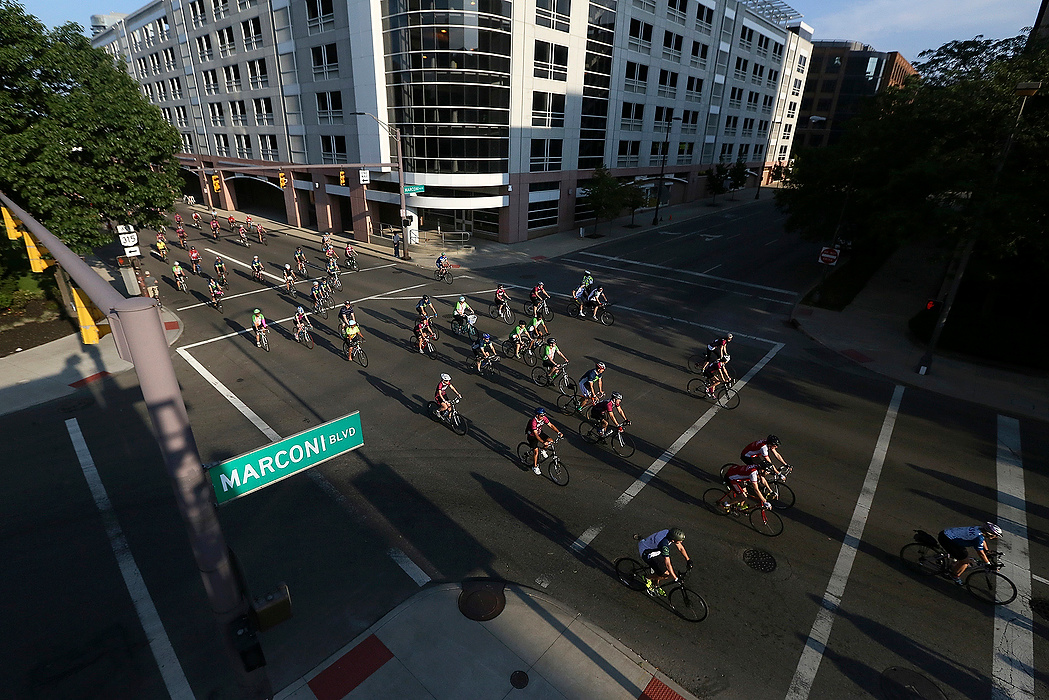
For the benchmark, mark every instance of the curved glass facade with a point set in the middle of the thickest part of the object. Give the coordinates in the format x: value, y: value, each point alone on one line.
x: 448, y: 82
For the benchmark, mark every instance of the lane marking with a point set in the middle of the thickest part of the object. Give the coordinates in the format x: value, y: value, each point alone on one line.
x: 689, y: 272
x: 408, y: 566
x: 816, y: 645
x: 711, y: 269
x: 584, y: 540
x: 1012, y: 666
x: 210, y: 378
x: 244, y: 265
x: 668, y: 454
x: 440, y: 296
x: 159, y: 644
x: 735, y: 334
x: 1039, y: 579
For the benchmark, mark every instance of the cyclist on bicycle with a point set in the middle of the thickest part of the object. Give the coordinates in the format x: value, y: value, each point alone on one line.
x: 462, y: 309
x: 440, y: 395
x: 214, y: 228
x: 257, y: 267
x: 425, y: 306
x: 194, y: 259
x: 538, y: 295
x: 350, y: 254
x: 258, y: 324
x: 178, y: 220
x: 537, y: 438
x: 718, y: 349
x: 232, y: 221
x: 605, y: 410
x: 247, y: 222
x: 956, y: 540
x: 588, y: 280
x: 520, y: 336
x: 220, y: 269
x: 422, y: 331
x: 289, y: 276
x: 591, y: 386
x: 736, y: 478
x: 216, y: 290
x: 317, y: 294
x: 162, y: 247
x: 331, y: 254
x: 302, y: 322
x: 196, y: 219
x: 550, y: 351
x: 715, y: 373
x: 483, y: 349
x: 352, y: 334
x: 537, y: 326
x: 333, y: 267
x: 300, y: 259
x: 180, y: 274
x: 346, y: 314
x: 580, y: 298
x: 655, y: 552
x: 181, y: 236
x: 259, y: 231
x: 502, y: 296
x: 442, y: 262
x: 758, y: 453
x: 597, y: 300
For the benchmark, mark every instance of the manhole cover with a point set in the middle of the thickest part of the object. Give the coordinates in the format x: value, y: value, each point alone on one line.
x: 759, y: 560
x: 904, y: 684
x: 1041, y: 606
x: 482, y: 600
x: 518, y: 679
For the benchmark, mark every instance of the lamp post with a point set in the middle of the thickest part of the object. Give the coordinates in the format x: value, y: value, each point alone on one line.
x: 396, y: 133
x: 663, y: 166
x: 764, y: 157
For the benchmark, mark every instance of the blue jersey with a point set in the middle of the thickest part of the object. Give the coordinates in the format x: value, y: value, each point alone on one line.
x: 966, y: 536
x: 657, y: 541
x: 590, y: 376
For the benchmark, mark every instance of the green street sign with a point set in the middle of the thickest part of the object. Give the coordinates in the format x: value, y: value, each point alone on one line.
x: 267, y: 465
x: 412, y: 189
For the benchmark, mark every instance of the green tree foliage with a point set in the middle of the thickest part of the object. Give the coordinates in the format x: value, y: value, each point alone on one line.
x: 737, y: 175
x: 633, y: 197
x: 717, y: 181
x: 604, y: 195
x: 78, y: 143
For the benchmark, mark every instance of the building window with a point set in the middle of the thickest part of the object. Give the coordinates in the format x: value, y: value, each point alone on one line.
x: 792, y: 110
x: 298, y: 148
x: 658, y: 153
x: 763, y: 127
x: 689, y: 122
x: 740, y: 73
x: 672, y: 46
x: 325, y: 62
x: 136, y: 40
x: 219, y: 8
x: 329, y: 107
x: 667, y: 84
x: 320, y: 16
x: 170, y: 63
x: 252, y: 31
x: 633, y: 116
x: 263, y: 111
x: 176, y: 88
x: 735, y: 98
x: 803, y: 62
x: 333, y: 149
x: 226, y: 45
x: 246, y: 4
x: 752, y: 101
x: 664, y: 119
x: 181, y: 118
x: 646, y: 5
x: 187, y: 143
x: 636, y: 78
x: 143, y: 68
x: 197, y: 14
x: 746, y: 38
x: 766, y: 104
x: 154, y: 63
x: 783, y: 152
x: 147, y: 90
x: 676, y: 10
x: 258, y: 78
x: 757, y: 75
x: 640, y: 38
x: 777, y: 51
x: 748, y: 127
x: 704, y: 19
x: 629, y: 154
x: 684, y: 153
x: 218, y: 117
x: 759, y: 150
x: 787, y: 130
x: 551, y: 61
x: 243, y: 142
x: 238, y: 113
x: 546, y: 154
x: 553, y: 14
x: 163, y: 29
x: 204, y: 52
x: 763, y: 45
x: 699, y: 55
x: 232, y: 76
x: 772, y: 79
x: 162, y: 92
x: 744, y: 151
x: 727, y: 149
x: 731, y: 125
x: 166, y: 113
x: 548, y: 109
x: 543, y: 214
x: 267, y: 147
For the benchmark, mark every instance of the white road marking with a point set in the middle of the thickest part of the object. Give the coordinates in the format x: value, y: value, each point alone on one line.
x: 245, y: 265
x: 584, y: 540
x: 816, y: 645
x: 167, y: 661
x: 1012, y: 666
x: 712, y: 269
x: 656, y: 466
x: 1039, y: 579
x: 438, y: 296
x: 688, y: 272
x: 735, y: 334
x: 414, y: 572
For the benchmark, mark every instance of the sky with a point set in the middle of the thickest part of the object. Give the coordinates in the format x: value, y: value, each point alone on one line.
x: 907, y: 26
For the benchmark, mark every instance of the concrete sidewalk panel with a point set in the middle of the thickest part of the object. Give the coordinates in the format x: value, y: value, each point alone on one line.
x: 583, y: 664
x: 393, y: 680
x: 526, y: 631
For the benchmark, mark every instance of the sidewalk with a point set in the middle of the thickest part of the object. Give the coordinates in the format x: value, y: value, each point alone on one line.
x: 534, y: 647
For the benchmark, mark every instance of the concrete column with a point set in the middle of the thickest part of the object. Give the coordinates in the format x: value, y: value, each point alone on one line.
x: 362, y: 222
x: 322, y: 202
x: 291, y: 201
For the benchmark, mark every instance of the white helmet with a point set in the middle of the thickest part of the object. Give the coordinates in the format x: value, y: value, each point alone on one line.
x: 446, y: 378
x: 287, y: 266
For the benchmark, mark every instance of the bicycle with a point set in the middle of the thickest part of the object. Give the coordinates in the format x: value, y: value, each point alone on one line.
x: 467, y: 329
x: 301, y: 266
x: 216, y: 301
x: 289, y: 284
x: 354, y: 351
x: 502, y: 311
x: 697, y: 362
x: 304, y: 335
x: 683, y: 601
x: 604, y: 316
x: 320, y: 308
x: 925, y: 556
x: 264, y: 338
x: 256, y: 275
x: 163, y: 253
x: 244, y: 239
x: 559, y: 379
x: 195, y: 266
x: 490, y: 366
x: 509, y: 350
x: 334, y: 281
x: 452, y: 418
x: 351, y: 263
x: 541, y: 308
x: 573, y: 404
x: 724, y: 396
x: 433, y: 327
x: 555, y: 468
x: 615, y: 437
x: 262, y: 236
x: 442, y: 274
x: 428, y: 349
x: 778, y: 494
x: 766, y: 522
x: 223, y: 280
x: 181, y: 283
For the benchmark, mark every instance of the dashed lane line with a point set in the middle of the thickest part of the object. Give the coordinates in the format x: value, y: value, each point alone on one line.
x: 245, y: 265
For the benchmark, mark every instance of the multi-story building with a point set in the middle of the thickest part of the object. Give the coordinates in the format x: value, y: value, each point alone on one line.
x: 841, y: 75
x: 504, y: 108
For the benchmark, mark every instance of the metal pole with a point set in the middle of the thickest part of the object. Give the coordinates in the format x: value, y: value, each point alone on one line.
x: 400, y: 181
x: 662, y: 169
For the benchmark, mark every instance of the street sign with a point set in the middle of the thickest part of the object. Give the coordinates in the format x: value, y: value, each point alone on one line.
x: 829, y: 256
x: 366, y: 176
x: 277, y: 461
x: 412, y: 189
x: 128, y: 239
x: 133, y: 251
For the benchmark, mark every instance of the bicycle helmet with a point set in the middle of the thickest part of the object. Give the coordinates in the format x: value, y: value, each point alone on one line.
x: 551, y: 341
x: 462, y: 298
x: 287, y: 266
x: 617, y: 396
x: 347, y: 303
x: 676, y: 534
x: 486, y: 337
x: 586, y: 272
x: 540, y: 411
x: 218, y: 260
x: 728, y: 336
x: 300, y: 310
x: 316, y: 283
x: 256, y: 257
x: 352, y: 323
x: 599, y: 365
x: 991, y: 529
x: 257, y: 311
x: 426, y: 297
x: 446, y: 378
x: 772, y: 440
x: 539, y: 285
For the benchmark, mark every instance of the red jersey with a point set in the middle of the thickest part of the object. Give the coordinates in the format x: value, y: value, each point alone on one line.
x: 758, y: 448
x: 742, y: 472
x: 439, y: 393
x: 537, y: 424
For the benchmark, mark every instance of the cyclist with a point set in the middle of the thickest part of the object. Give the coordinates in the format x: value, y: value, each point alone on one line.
x: 231, y: 221
x: 257, y: 267
x: 258, y: 324
x: 442, y: 262
x: 718, y: 349
x: 242, y: 232
x: 538, y: 295
x: 588, y: 280
x: 178, y: 220
x: 602, y: 412
x: 194, y: 259
x: 590, y: 386
x: 346, y: 315
x: 597, y: 300
x: 300, y: 259
x: 715, y: 373
x: 758, y: 453
x: 317, y: 294
x: 350, y: 254
x: 216, y: 290
x: 181, y: 235
x: 247, y: 222
x: 220, y: 270
x: 196, y: 219
x: 422, y: 331
x: 537, y: 438
x: 161, y: 237
x: 655, y: 551
x: 162, y: 248
x: 289, y: 277
x: 580, y: 298
x: 352, y: 334
x: 956, y: 540
x: 483, y: 349
x: 302, y: 322
x: 537, y: 326
x: 215, y: 228
x: 520, y: 336
x: 180, y: 274
x: 325, y: 240
x: 502, y: 296
x: 440, y: 396
x: 333, y: 267
x: 550, y: 351
x: 331, y: 254
x: 736, y: 478
x: 462, y: 308
x: 260, y: 232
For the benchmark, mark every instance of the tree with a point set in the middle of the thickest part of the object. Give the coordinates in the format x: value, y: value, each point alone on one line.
x: 717, y: 181
x: 78, y: 143
x: 604, y: 195
x: 633, y: 198
x: 737, y: 175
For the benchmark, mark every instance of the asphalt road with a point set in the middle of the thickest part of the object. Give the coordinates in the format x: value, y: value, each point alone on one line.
x: 456, y: 507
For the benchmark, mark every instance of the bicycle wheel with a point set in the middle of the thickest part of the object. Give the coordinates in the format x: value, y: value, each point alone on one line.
x: 697, y: 386
x: 589, y: 433
x: 548, y: 315
x: 990, y: 587
x: 218, y: 305
x: 731, y: 375
x: 524, y: 453
x: 566, y: 385
x: 725, y: 468
x: 431, y: 408
x: 456, y: 327
x: 321, y: 309
x: 623, y: 445
x: 529, y: 358
x: 572, y: 310
x: 266, y: 341
x: 923, y: 559
x: 460, y: 425
x: 352, y: 264
x: 447, y: 277
x: 471, y: 332
x: 631, y: 573
x: 688, y: 604
x: 346, y: 350
x: 493, y: 309
x: 711, y: 498
x: 727, y: 398
x: 338, y: 282
x: 507, y: 314
x: 437, y: 275
x: 766, y: 522
x: 429, y: 350
x: 436, y: 331
x: 695, y: 364
x: 568, y: 405
x: 557, y: 471
x: 307, y: 339
x: 606, y: 318
x: 540, y: 377
x: 360, y: 357
x: 508, y: 349
x: 780, y: 495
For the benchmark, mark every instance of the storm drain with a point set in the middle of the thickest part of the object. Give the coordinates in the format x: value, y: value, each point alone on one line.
x: 519, y: 679
x: 904, y: 684
x: 759, y: 560
x: 482, y: 600
x: 1041, y: 606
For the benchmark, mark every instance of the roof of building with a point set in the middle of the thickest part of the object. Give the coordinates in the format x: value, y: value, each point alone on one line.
x: 773, y: 10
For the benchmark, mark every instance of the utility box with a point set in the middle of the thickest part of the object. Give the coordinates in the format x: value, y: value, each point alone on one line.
x: 273, y: 608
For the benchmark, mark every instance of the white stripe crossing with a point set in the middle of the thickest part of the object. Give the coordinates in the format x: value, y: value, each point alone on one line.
x: 1039, y: 579
x: 816, y: 645
x: 1012, y: 666
x: 404, y: 561
x: 230, y: 396
x: 688, y: 272
x: 167, y: 661
x: 242, y: 264
x: 584, y: 540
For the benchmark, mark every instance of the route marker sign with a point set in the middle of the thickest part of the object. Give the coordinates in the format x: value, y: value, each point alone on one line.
x: 829, y: 256
x: 412, y: 189
x: 267, y: 465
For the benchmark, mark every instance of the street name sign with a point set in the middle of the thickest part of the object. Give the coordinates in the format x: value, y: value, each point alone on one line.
x: 412, y: 189
x: 277, y: 461
x: 829, y: 256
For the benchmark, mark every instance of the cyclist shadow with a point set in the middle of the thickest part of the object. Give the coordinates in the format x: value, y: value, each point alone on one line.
x: 542, y: 522
x: 642, y: 355
x: 238, y: 328
x: 487, y: 442
x: 415, y: 404
x: 524, y: 402
x: 646, y: 378
x: 379, y: 316
x: 200, y: 296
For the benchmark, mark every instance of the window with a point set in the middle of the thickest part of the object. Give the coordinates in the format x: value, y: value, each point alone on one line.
x: 553, y: 14
x: 766, y: 104
x: 170, y: 63
x: 298, y: 147
x: 636, y: 78
x: 546, y: 155
x: 226, y: 45
x: 735, y: 99
x: 672, y: 46
x: 149, y: 34
x: 252, y: 31
x: 320, y: 16
x: 197, y: 13
x: 154, y: 63
x: 267, y: 147
x: 792, y: 110
x: 232, y: 76
x: 166, y: 113
x: 763, y: 127
x: 689, y: 122
x: 772, y: 79
x: 162, y: 92
x: 181, y: 119
x: 136, y: 40
x: 746, y: 38
x: 658, y: 153
x: 218, y: 117
x: 726, y: 152
x: 744, y: 151
x: 704, y: 19
x: 219, y: 8
x: 757, y: 75
x: 777, y: 51
x: 176, y: 88
x: 187, y: 143
x: 759, y: 150
x: 667, y: 84
x: 257, y: 76
x: 293, y: 111
x: 243, y: 142
x: 238, y: 113
x: 803, y: 62
x: 748, y: 127
x: 246, y: 4
x: 752, y: 101
x: 787, y: 130
x: 633, y: 116
x: 722, y: 62
x: 629, y: 154
x: 640, y: 38
x: 731, y: 125
x: 741, y: 69
x: 548, y: 109
x: 783, y: 152
x: 329, y: 107
x: 211, y: 82
x: 543, y: 213
x: 263, y: 111
x: 699, y: 55
x: 325, y: 62
x: 646, y: 5
x: 684, y: 153
x: 694, y: 89
x: 664, y: 120
x: 829, y: 86
x: 163, y: 28
x: 676, y: 10
x: 143, y: 68
x: 763, y: 46
x: 204, y: 52
x: 333, y: 149
x: 551, y: 61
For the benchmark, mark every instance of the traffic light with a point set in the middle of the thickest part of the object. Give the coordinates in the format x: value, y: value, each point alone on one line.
x: 283, y: 179
x: 216, y: 183
x: 342, y: 178
x: 91, y: 319
x: 38, y: 254
x: 933, y: 305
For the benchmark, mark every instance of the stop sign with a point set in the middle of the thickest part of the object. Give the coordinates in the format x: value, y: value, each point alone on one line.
x: 829, y: 256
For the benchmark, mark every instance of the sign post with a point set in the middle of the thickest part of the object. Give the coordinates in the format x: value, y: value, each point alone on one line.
x: 829, y: 256
x: 277, y: 461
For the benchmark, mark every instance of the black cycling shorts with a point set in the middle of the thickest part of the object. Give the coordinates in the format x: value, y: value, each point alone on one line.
x: 532, y: 442
x: 598, y: 414
x: 549, y: 364
x: 655, y: 559
x: 953, y: 548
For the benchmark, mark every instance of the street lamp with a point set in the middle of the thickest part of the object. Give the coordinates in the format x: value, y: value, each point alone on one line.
x: 764, y: 157
x: 663, y: 166
x: 396, y: 133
